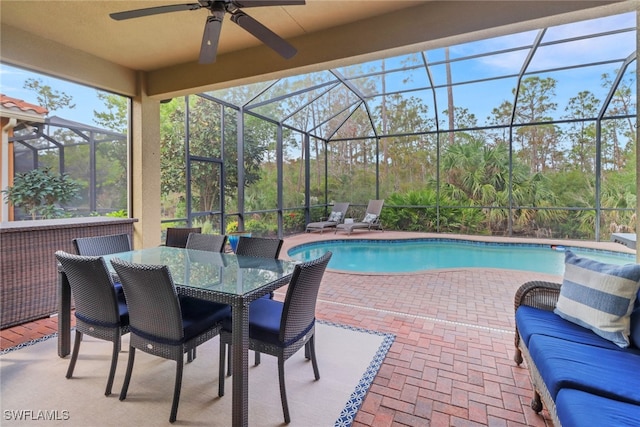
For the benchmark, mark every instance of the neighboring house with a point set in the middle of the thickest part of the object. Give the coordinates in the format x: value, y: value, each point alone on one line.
x: 14, y: 114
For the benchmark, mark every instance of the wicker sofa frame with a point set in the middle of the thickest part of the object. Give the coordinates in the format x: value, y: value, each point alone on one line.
x: 542, y: 295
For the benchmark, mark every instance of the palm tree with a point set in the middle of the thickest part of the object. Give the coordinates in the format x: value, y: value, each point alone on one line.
x: 477, y: 173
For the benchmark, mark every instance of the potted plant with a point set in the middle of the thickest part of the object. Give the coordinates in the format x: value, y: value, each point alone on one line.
x: 38, y: 191
x: 234, y: 235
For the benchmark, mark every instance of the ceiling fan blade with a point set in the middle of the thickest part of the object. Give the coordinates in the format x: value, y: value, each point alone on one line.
x: 258, y: 3
x: 138, y: 13
x: 264, y: 34
x: 210, y: 39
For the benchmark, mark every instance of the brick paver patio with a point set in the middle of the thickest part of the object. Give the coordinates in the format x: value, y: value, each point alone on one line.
x: 452, y: 361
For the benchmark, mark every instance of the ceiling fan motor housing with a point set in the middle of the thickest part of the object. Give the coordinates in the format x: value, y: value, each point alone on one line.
x: 213, y: 25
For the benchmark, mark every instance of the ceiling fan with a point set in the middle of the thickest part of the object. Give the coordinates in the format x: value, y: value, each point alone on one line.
x: 217, y: 10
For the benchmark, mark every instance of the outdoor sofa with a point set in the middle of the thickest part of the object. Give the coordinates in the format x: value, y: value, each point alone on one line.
x: 580, y: 341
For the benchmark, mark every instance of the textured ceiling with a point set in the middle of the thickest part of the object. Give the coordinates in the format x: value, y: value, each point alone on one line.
x: 159, y: 41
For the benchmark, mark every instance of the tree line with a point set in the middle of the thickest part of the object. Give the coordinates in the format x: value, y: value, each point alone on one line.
x: 530, y: 175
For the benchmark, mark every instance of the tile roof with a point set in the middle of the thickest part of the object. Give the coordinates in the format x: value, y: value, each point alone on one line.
x: 15, y: 103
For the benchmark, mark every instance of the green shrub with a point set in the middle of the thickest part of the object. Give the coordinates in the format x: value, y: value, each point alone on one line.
x: 122, y: 213
x: 38, y: 191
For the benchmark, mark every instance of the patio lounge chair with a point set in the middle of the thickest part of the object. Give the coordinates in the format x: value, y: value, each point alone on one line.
x: 336, y: 217
x: 370, y: 221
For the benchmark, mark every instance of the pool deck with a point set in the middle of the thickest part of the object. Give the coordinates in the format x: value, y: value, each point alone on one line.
x: 452, y: 360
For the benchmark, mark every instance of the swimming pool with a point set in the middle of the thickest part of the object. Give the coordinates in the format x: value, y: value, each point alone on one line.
x: 402, y: 256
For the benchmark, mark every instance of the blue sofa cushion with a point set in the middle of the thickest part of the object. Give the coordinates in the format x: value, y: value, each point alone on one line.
x: 599, y: 296
x: 576, y: 408
x: 635, y: 327
x: 606, y: 372
x: 531, y: 320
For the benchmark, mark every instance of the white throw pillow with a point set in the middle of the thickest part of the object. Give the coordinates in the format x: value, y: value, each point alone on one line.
x: 335, y: 216
x: 370, y: 218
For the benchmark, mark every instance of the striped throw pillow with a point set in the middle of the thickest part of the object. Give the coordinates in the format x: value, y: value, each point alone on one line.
x: 599, y: 296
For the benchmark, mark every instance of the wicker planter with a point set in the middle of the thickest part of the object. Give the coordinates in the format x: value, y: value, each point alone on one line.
x: 28, y: 268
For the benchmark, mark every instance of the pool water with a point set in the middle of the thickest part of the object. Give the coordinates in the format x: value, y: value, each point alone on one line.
x: 402, y: 256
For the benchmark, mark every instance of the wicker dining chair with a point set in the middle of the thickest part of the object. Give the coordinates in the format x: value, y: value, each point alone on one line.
x: 177, y: 237
x: 101, y: 312
x: 209, y: 243
x: 206, y: 242
x: 103, y: 245
x: 259, y: 246
x: 282, y: 328
x: 163, y: 323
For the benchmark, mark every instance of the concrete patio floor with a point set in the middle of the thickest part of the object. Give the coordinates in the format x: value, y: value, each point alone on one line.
x: 452, y: 360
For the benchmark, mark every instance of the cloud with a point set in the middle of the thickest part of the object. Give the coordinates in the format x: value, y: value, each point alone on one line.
x: 592, y: 26
x: 604, y: 48
x: 594, y: 49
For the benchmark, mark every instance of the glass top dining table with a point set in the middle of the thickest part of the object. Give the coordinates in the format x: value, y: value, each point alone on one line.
x: 221, y: 277
x: 224, y: 273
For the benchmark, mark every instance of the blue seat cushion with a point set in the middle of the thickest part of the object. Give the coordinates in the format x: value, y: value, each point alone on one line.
x: 602, y: 371
x: 531, y: 320
x: 575, y: 408
x: 118, y: 287
x: 264, y: 320
x: 123, y: 310
x: 199, y: 315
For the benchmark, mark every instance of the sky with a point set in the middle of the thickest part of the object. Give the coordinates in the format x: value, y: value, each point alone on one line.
x: 12, y: 81
x: 556, y: 55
